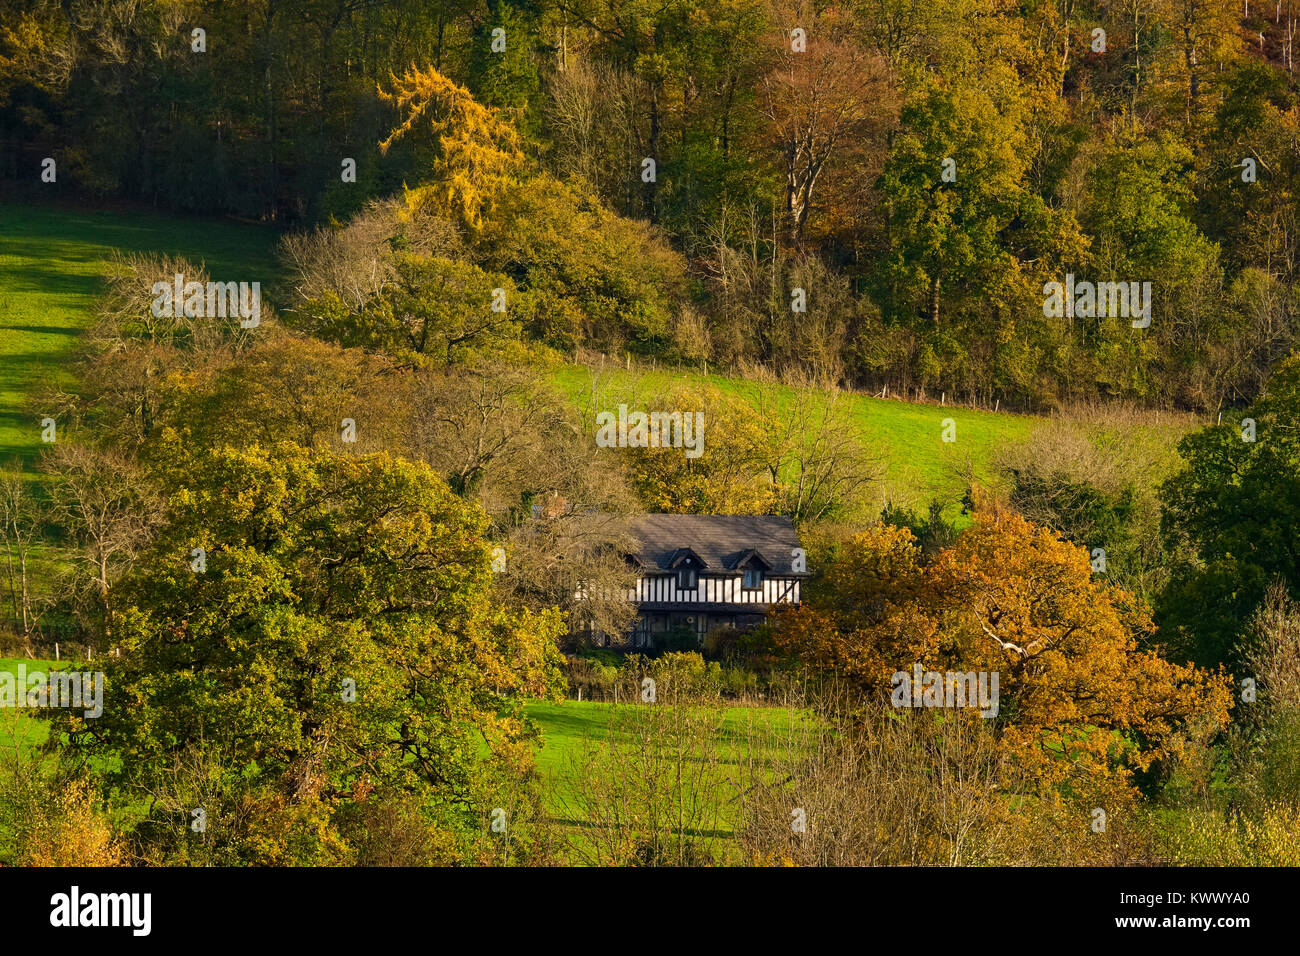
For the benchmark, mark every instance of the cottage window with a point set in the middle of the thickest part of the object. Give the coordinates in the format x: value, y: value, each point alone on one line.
x: 687, y: 579
x: 753, y: 579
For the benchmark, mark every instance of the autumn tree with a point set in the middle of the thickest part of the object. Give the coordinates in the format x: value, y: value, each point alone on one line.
x: 823, y: 105
x: 1076, y: 692
x: 1207, y: 39
x: 439, y: 308
x: 722, y: 475
x: 588, y: 277
x: 140, y: 356
x: 298, y: 389
x: 479, y: 151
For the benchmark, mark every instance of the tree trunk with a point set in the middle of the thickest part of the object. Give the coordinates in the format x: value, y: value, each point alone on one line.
x: 22, y: 572
x: 273, y: 188
x: 652, y: 185
x: 13, y: 585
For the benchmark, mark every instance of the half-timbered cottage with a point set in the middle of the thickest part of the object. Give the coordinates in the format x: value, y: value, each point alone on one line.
x: 702, y: 572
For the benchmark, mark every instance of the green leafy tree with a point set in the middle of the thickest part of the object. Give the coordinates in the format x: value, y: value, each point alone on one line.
x: 436, y: 309
x: 1138, y: 209
x: 505, y: 77
x: 1236, y: 506
x: 336, y: 635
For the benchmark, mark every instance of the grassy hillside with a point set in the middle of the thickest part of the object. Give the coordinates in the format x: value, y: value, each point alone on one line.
x: 52, y: 261
x: 53, y: 258
x: 918, y: 465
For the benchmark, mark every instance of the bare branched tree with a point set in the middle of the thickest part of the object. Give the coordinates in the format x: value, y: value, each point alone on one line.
x: 814, y: 454
x: 355, y: 262
x: 20, y: 529
x: 654, y: 791
x: 826, y: 788
x: 100, y: 497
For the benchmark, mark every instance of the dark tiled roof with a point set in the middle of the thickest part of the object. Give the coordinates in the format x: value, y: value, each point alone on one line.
x: 719, y: 540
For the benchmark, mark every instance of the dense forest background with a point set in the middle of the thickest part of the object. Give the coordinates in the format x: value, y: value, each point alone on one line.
x: 340, y: 565
x: 919, y: 171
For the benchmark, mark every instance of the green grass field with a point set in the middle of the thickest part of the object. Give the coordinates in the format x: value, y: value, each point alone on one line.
x: 726, y: 750
x: 570, y: 725
x: 52, y: 262
x: 18, y: 729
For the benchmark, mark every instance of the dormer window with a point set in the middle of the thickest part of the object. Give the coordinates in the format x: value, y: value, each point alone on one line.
x: 752, y: 567
x: 686, y: 564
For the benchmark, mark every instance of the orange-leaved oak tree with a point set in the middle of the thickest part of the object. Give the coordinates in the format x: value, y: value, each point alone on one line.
x: 1077, y: 693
